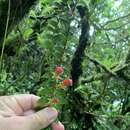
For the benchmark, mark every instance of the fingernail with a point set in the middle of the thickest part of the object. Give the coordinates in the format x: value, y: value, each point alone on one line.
x: 58, y: 126
x: 52, y: 113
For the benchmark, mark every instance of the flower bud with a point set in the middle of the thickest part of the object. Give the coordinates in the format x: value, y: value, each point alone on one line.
x: 59, y: 70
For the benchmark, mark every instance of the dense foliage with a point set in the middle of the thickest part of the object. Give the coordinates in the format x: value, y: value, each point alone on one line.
x: 90, y: 39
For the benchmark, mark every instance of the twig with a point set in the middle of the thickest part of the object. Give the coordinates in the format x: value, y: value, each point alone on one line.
x: 115, y: 28
x: 43, y: 17
x: 5, y: 34
x: 105, y: 116
x: 114, y: 20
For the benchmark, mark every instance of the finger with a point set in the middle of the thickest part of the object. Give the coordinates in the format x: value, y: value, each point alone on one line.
x: 42, y: 119
x: 18, y: 104
x: 35, y: 121
x: 58, y: 126
x: 26, y: 101
x: 29, y: 112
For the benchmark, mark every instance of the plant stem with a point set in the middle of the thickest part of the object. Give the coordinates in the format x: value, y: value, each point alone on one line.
x: 5, y: 35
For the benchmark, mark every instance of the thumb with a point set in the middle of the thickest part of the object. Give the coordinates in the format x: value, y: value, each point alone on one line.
x: 42, y: 119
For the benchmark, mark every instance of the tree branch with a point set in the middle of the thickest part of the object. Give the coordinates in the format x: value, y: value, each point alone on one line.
x: 114, y: 20
x: 83, y: 43
x: 101, y: 65
x: 116, y: 72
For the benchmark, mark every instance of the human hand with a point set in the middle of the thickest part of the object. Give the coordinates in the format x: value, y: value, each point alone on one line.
x: 16, y: 113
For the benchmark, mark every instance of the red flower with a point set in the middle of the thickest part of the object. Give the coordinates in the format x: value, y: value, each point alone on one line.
x: 59, y: 70
x: 68, y: 82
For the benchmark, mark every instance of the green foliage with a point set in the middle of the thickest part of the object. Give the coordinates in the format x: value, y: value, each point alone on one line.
x: 48, y: 36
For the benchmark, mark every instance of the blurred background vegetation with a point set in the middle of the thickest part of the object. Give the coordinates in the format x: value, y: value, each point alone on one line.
x: 90, y: 39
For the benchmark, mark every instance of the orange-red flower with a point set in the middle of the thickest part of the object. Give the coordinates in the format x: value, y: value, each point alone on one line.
x: 68, y: 82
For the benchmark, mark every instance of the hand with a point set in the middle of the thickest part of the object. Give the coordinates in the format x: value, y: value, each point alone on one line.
x: 16, y: 113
